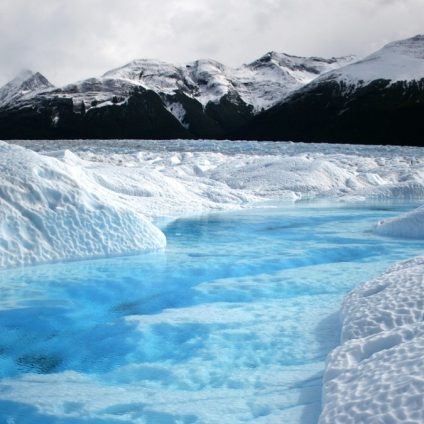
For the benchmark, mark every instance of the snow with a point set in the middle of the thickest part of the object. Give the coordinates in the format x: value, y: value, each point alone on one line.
x: 177, y: 109
x: 376, y: 375
x: 261, y: 83
x: 24, y: 86
x: 53, y: 211
x: 407, y: 225
x: 401, y: 60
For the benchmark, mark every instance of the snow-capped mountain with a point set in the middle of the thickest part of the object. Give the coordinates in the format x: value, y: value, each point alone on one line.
x: 401, y: 60
x: 26, y: 85
x: 200, y: 99
x: 260, y: 84
x: 379, y: 99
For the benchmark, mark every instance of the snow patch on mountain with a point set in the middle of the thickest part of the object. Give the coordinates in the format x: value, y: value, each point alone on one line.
x: 401, y: 60
x: 274, y: 76
x: 177, y: 109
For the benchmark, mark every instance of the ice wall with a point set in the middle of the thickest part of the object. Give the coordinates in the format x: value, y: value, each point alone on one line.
x: 51, y: 211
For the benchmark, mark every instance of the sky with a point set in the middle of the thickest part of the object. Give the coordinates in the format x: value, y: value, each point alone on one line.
x: 69, y: 40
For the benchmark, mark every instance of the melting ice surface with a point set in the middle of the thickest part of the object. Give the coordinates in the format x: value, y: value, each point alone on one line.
x: 231, y: 324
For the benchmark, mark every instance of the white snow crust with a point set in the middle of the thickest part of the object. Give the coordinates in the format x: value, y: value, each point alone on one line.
x: 50, y: 210
x: 407, y: 225
x: 377, y: 374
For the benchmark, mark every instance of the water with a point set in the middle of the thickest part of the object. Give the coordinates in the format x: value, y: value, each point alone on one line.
x: 231, y: 324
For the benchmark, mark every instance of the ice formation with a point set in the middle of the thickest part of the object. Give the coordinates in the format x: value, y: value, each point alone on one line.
x: 117, y: 183
x: 377, y: 374
x: 57, y: 204
x: 407, y: 225
x: 50, y: 210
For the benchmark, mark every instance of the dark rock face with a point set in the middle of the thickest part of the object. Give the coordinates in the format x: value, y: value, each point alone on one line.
x: 378, y: 113
x: 326, y: 110
x: 143, y: 115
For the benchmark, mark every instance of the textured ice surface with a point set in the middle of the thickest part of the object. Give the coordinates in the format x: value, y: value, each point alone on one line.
x: 409, y: 225
x: 170, y: 178
x: 377, y: 374
x: 161, y: 342
x: 50, y: 210
x: 230, y: 324
x: 174, y: 178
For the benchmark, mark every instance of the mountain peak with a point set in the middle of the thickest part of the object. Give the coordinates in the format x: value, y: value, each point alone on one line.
x: 25, y: 83
x: 401, y: 60
x: 22, y: 75
x: 413, y: 47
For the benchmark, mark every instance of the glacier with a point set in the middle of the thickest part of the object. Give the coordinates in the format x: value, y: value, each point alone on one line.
x: 62, y: 200
x: 80, y: 199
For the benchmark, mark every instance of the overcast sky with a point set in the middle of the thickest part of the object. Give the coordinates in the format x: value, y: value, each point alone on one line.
x: 67, y: 40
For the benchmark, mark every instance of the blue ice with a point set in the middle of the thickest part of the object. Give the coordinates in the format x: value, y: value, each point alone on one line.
x: 231, y: 324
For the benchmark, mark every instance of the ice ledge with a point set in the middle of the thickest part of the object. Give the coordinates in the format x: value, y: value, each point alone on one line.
x: 407, y: 225
x: 53, y: 211
x: 377, y: 374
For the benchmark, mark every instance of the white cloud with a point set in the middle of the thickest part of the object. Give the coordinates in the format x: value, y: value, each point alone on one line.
x: 69, y: 40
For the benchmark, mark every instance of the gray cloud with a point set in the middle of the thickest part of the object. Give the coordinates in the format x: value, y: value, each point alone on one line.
x: 70, y: 40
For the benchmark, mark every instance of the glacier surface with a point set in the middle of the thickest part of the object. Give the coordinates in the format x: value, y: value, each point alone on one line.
x: 92, y: 201
x: 377, y: 374
x: 51, y: 211
x: 407, y: 225
x: 99, y: 199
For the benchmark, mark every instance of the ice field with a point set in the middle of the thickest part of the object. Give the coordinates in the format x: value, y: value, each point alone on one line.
x: 233, y: 320
x: 231, y: 323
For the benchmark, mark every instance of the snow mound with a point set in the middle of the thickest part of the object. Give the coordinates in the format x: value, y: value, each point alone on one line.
x: 407, y: 225
x: 376, y: 375
x: 50, y: 210
x: 401, y: 60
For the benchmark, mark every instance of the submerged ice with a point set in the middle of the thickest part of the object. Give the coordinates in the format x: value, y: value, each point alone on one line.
x: 231, y: 323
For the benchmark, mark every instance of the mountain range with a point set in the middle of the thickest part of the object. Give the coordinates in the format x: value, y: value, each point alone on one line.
x: 375, y: 100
